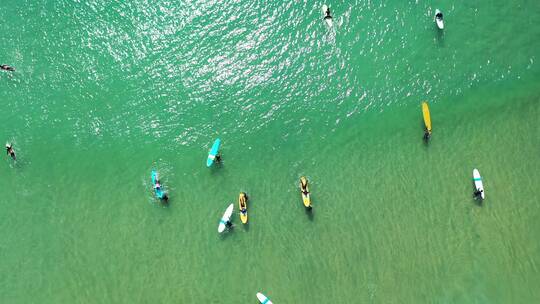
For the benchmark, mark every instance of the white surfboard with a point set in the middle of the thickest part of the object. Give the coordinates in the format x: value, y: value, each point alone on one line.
x: 478, y: 182
x: 225, y: 218
x: 327, y: 20
x: 439, y: 21
x: 263, y: 299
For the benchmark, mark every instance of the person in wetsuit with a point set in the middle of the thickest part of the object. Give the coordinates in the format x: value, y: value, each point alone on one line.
x: 304, y: 187
x: 328, y: 15
x: 478, y: 194
x: 6, y: 67
x: 427, y: 135
x: 10, y: 151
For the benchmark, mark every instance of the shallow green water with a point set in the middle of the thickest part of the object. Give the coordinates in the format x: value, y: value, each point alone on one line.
x: 106, y: 91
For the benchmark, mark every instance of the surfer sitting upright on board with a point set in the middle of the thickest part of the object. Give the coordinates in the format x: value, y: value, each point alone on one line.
x: 303, y: 186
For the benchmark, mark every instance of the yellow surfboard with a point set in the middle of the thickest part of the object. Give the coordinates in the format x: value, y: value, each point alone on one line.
x: 427, y: 117
x: 305, y: 194
x: 242, y: 206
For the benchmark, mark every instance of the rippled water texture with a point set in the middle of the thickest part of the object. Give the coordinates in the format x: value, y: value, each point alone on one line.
x: 105, y: 91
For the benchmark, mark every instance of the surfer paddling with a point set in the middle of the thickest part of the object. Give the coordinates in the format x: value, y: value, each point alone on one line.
x: 10, y: 151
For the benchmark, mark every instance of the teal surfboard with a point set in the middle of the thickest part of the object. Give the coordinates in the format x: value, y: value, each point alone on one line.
x: 213, y: 152
x: 159, y: 192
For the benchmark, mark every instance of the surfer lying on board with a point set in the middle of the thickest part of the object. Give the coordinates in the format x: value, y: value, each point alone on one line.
x: 6, y: 67
x: 439, y: 16
x: 10, y: 151
x: 327, y: 14
x: 478, y: 193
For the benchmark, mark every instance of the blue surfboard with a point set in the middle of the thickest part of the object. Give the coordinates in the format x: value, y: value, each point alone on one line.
x: 213, y: 152
x: 159, y: 192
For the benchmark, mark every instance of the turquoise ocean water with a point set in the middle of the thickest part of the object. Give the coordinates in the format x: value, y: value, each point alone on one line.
x: 105, y: 91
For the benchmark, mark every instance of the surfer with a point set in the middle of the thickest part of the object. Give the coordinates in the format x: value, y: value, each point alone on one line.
x: 327, y: 14
x: 218, y: 158
x: 10, y: 151
x: 427, y: 135
x: 243, y: 199
x: 303, y: 186
x: 478, y: 193
x: 243, y: 208
x: 164, y: 197
x: 6, y: 67
x: 439, y: 16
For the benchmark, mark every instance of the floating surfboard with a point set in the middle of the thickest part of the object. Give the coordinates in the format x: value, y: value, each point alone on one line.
x: 327, y: 19
x: 305, y: 196
x: 478, y: 182
x: 159, y: 192
x: 213, y: 152
x: 263, y: 299
x: 242, y: 203
x: 225, y: 218
x: 439, y: 20
x: 427, y: 116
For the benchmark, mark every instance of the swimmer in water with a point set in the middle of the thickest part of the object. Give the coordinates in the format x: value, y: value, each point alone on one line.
x: 6, y: 67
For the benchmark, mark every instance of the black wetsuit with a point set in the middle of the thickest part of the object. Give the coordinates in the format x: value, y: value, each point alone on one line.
x: 6, y: 67
x: 427, y: 135
x: 10, y: 152
x: 478, y: 194
x: 328, y: 16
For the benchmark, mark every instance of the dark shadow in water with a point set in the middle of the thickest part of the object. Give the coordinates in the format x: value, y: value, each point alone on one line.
x: 424, y: 139
x: 216, y: 168
x: 478, y: 202
x: 165, y: 203
x: 310, y: 213
x: 225, y: 234
x: 439, y: 36
x: 16, y: 164
x: 246, y: 226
